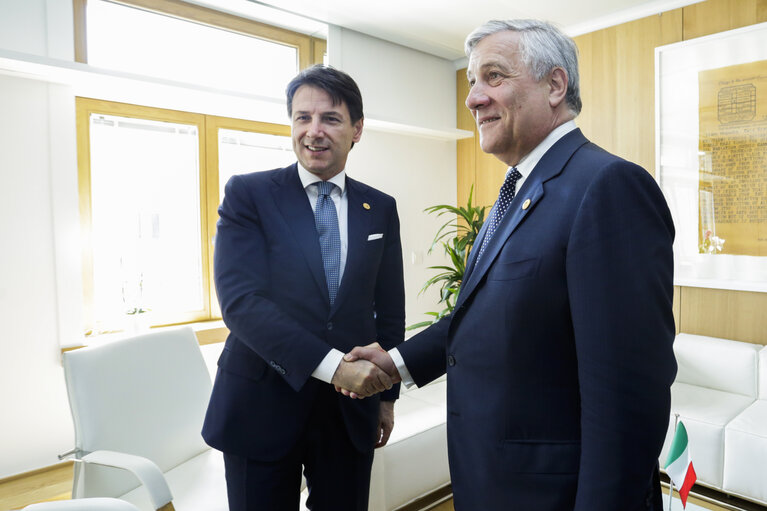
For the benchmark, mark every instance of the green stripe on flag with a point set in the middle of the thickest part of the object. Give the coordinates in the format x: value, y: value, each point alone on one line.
x: 678, y: 445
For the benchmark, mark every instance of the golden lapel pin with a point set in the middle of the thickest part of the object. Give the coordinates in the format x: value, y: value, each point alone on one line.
x: 366, y: 205
x: 526, y: 204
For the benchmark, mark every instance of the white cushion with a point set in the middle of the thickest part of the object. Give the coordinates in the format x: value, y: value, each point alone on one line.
x: 705, y: 412
x: 745, y: 453
x: 720, y: 364
x: 763, y: 373
x: 196, y: 484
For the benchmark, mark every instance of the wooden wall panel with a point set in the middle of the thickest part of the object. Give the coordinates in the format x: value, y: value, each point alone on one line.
x: 716, y: 16
x: 618, y: 84
x: 737, y: 315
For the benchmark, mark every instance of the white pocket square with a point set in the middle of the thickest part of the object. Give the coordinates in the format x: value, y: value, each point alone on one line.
x: 377, y: 236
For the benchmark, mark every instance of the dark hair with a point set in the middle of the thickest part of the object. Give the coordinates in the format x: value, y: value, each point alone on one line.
x: 339, y: 86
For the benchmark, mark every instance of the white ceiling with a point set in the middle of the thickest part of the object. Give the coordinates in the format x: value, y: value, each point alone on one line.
x: 439, y: 27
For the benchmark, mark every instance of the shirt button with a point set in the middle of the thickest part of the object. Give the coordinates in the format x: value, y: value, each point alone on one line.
x: 450, y: 360
x: 330, y: 325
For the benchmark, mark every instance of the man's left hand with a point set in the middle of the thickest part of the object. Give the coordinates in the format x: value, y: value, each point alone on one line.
x: 385, y: 423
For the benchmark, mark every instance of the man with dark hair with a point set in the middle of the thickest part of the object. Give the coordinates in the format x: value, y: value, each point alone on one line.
x: 558, y: 353
x: 308, y: 262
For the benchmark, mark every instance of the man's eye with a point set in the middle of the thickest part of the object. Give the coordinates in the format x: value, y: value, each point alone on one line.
x: 472, y: 82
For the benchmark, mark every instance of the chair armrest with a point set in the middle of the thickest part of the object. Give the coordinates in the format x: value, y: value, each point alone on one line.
x: 149, y: 474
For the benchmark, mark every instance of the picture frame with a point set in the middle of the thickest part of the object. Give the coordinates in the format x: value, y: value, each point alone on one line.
x: 699, y: 262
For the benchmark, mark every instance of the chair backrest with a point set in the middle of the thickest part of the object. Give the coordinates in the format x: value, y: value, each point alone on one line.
x: 720, y: 364
x: 143, y: 395
x: 83, y: 505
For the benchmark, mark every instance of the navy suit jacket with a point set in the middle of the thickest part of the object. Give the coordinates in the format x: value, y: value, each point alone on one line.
x: 271, y: 286
x: 559, y: 350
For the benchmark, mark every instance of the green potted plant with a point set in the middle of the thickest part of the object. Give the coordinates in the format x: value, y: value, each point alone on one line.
x: 456, y: 237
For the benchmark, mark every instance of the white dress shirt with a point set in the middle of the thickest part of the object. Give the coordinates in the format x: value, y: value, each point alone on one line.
x: 525, y: 167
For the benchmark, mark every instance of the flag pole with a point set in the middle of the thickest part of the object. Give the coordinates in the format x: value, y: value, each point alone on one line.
x: 670, y: 482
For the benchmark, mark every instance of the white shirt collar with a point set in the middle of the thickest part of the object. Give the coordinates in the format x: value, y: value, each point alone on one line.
x: 528, y: 163
x: 307, y: 178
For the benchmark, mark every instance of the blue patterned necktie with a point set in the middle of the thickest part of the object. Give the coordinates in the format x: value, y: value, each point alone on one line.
x: 326, y: 218
x: 508, y: 190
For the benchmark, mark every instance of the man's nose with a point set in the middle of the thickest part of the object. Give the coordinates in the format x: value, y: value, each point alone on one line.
x: 476, y: 98
x: 315, y: 128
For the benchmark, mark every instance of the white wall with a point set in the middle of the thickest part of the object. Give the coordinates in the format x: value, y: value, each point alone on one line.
x: 416, y: 89
x: 36, y: 125
x: 41, y: 296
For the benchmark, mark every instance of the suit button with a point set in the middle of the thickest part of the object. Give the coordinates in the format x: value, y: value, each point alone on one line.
x: 330, y: 325
x: 450, y: 360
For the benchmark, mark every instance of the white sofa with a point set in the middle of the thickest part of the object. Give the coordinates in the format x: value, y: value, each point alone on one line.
x: 745, y: 446
x: 414, y: 461
x: 715, y: 394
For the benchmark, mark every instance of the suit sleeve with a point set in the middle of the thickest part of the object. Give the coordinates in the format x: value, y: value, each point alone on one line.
x: 620, y: 280
x: 424, y: 354
x: 242, y: 283
x: 390, y: 295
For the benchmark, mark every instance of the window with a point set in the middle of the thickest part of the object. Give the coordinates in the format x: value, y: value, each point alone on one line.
x: 180, y: 50
x: 151, y: 181
x: 184, y: 42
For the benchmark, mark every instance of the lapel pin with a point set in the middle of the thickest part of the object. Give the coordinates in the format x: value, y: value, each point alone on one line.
x: 526, y: 204
x: 366, y: 205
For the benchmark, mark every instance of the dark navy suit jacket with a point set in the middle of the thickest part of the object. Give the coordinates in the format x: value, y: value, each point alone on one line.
x: 559, y: 350
x: 271, y: 286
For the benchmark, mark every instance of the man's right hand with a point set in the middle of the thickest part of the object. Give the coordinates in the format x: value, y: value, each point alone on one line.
x: 361, y: 378
x: 378, y: 356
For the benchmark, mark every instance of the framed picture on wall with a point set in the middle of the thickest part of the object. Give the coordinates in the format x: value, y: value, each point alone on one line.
x: 711, y: 156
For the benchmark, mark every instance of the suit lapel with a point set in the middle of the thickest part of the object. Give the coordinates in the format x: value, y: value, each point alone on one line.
x: 551, y: 165
x: 358, y: 222
x: 294, y: 207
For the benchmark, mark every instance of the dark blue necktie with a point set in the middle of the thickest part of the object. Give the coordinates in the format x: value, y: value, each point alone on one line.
x: 326, y: 219
x: 506, y: 195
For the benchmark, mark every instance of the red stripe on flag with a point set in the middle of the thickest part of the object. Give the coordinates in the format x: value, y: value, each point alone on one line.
x: 689, y: 480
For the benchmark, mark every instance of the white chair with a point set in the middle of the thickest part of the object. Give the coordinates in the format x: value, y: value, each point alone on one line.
x: 96, y: 504
x: 138, y: 405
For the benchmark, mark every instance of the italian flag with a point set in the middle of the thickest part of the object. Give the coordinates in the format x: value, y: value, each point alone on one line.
x: 679, y: 464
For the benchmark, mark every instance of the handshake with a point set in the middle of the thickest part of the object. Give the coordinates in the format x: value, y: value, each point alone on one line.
x: 365, y: 371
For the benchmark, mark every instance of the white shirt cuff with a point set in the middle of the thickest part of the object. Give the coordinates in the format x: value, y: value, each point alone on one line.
x: 327, y: 368
x: 407, y: 380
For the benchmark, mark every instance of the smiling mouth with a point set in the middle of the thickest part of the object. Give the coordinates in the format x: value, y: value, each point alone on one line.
x: 488, y: 120
x: 316, y: 149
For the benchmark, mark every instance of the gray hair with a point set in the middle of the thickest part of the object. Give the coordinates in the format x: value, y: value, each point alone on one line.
x: 543, y: 47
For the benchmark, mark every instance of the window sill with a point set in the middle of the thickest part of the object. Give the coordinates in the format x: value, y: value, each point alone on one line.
x: 208, y: 332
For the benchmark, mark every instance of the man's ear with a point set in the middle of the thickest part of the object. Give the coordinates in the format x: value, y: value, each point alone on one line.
x: 358, y: 130
x: 557, y: 86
